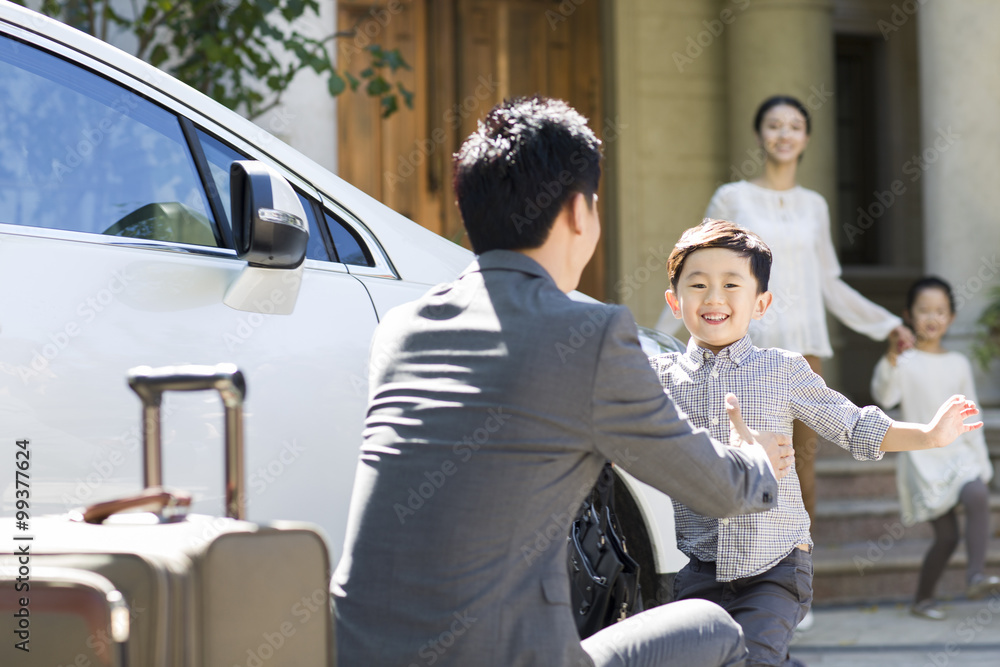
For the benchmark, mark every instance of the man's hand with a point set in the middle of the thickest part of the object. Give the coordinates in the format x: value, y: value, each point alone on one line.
x: 778, y: 447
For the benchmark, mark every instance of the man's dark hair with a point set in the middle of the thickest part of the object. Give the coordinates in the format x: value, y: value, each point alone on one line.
x: 722, y: 234
x: 513, y: 175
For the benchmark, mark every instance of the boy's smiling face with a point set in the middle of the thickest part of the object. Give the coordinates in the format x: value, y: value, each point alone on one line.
x: 717, y: 296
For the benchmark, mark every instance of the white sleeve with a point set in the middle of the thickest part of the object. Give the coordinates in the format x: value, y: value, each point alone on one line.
x: 976, y: 438
x: 721, y: 207
x: 885, y: 384
x: 841, y: 299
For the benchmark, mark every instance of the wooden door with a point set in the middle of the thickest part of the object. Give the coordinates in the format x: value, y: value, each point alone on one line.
x: 467, y: 56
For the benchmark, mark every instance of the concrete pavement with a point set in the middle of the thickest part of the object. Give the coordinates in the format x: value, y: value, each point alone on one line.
x: 887, y: 635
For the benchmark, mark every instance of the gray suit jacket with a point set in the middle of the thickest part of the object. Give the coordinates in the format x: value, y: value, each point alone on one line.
x: 494, y: 402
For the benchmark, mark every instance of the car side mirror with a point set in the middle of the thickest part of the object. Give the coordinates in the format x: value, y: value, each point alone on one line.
x: 270, y: 232
x: 270, y: 228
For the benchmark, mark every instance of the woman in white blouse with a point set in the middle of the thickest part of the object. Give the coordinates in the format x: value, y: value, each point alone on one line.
x: 805, y: 276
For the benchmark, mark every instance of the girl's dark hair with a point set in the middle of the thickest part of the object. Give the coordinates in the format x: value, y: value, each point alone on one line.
x: 929, y: 282
x: 776, y: 101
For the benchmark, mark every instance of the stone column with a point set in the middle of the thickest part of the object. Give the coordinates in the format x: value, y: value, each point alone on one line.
x: 783, y: 47
x: 960, y: 162
x: 666, y: 84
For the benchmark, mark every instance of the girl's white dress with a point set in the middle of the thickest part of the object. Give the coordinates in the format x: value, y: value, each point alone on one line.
x: 805, y: 275
x: 929, y: 481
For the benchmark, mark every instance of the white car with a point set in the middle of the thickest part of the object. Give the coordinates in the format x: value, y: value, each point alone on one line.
x: 117, y: 250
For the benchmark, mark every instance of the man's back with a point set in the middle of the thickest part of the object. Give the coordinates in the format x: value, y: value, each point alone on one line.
x: 484, y: 434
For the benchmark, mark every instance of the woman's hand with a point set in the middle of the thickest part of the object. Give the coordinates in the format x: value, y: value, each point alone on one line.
x: 900, y: 339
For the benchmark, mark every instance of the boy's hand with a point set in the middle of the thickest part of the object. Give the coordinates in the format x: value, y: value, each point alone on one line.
x: 778, y: 447
x: 949, y: 422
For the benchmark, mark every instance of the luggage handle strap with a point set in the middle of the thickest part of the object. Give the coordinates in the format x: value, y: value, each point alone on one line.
x: 151, y: 383
x: 165, y: 503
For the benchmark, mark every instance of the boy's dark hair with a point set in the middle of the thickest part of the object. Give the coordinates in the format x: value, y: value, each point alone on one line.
x: 777, y: 101
x: 713, y: 233
x: 929, y: 282
x: 513, y: 175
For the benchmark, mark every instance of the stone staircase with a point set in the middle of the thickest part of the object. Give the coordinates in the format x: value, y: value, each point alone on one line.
x: 863, y: 552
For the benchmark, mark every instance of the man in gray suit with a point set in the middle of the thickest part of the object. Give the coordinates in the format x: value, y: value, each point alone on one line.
x: 494, y: 402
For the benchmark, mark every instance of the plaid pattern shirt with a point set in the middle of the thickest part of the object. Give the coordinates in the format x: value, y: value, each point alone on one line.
x: 774, y: 387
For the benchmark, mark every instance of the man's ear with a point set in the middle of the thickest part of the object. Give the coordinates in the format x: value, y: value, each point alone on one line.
x: 764, y: 300
x: 673, y: 302
x: 577, y: 212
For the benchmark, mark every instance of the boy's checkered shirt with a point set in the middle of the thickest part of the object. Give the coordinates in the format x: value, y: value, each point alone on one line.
x: 774, y: 387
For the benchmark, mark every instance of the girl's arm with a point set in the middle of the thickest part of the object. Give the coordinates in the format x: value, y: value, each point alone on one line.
x: 948, y: 424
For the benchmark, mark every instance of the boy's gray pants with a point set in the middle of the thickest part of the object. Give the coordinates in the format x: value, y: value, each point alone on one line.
x: 692, y: 633
x: 768, y: 606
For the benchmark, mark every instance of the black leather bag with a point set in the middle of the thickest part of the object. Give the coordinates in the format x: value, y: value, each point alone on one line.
x: 604, y: 579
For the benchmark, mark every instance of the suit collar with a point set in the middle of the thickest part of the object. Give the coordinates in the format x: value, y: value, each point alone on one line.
x: 509, y: 260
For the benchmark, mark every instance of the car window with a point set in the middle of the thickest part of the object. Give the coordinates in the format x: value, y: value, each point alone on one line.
x: 350, y: 249
x: 80, y: 153
x: 317, y: 247
x: 220, y: 156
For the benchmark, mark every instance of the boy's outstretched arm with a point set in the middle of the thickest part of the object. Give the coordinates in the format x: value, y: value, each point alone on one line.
x: 948, y: 424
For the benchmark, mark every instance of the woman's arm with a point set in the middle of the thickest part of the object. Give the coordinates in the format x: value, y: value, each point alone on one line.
x: 886, y: 389
x: 846, y: 303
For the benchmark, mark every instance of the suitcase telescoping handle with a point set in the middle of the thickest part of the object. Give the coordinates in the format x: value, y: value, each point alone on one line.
x: 151, y: 383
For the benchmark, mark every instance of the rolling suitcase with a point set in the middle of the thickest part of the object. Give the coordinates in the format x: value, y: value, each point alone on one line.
x: 168, y: 588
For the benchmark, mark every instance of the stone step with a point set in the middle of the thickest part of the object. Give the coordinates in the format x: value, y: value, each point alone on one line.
x: 842, y: 476
x: 844, y: 521
x: 886, y: 569
x: 838, y: 478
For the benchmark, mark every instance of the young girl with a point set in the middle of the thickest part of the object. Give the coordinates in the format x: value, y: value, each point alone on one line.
x: 932, y: 483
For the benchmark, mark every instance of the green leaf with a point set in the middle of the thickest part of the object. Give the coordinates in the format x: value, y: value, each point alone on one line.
x: 158, y: 55
x: 335, y: 83
x: 148, y: 14
x: 352, y: 81
x: 407, y: 95
x: 367, y: 73
x: 394, y: 59
x: 378, y: 86
x: 389, y: 106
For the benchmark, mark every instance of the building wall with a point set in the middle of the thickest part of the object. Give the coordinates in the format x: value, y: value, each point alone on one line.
x: 307, y: 116
x: 670, y: 103
x: 685, y: 77
x: 960, y: 95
